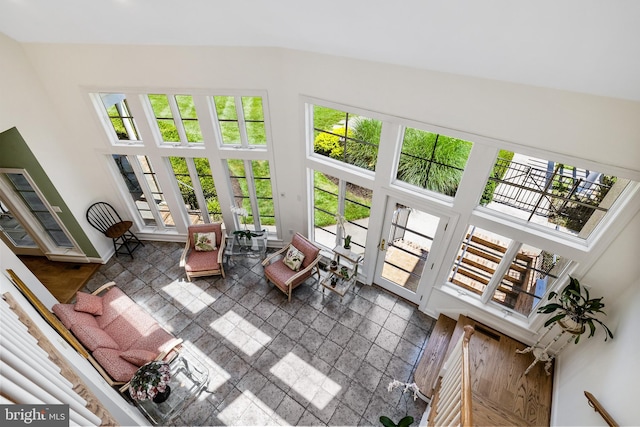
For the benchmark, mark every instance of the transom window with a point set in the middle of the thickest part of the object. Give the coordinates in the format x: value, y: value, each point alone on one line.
x: 166, y: 108
x: 241, y: 120
x: 432, y: 161
x: 346, y: 137
x: 566, y: 198
x: 118, y: 114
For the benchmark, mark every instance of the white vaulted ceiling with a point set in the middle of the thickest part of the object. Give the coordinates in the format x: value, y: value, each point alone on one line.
x: 589, y: 46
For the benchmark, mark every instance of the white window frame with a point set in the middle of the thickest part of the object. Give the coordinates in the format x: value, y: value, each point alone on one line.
x: 581, y: 252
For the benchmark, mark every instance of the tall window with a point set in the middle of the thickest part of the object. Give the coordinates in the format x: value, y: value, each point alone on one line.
x: 251, y: 185
x: 340, y: 208
x: 345, y: 137
x: 168, y: 156
x: 143, y: 187
x: 432, y: 161
x: 21, y: 184
x: 196, y: 186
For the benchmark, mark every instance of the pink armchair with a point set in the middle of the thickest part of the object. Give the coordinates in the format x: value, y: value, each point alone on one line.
x: 207, y: 262
x: 285, y: 278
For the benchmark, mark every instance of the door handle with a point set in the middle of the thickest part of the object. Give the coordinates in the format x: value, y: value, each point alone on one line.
x: 382, y: 245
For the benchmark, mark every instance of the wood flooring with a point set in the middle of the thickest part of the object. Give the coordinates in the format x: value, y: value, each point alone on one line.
x: 62, y: 279
x: 502, y: 394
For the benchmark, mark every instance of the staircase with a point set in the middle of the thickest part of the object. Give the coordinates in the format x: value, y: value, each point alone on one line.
x: 501, y: 394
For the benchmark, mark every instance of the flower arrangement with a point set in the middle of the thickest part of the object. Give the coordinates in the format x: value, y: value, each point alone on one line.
x: 151, y: 379
x: 242, y: 212
x: 408, y: 419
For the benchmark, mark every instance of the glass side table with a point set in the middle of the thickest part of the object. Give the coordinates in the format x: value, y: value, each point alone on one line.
x: 188, y: 378
x: 256, y: 247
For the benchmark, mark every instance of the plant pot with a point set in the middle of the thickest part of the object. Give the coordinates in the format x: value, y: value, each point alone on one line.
x: 571, y: 326
x: 333, y: 266
x: 161, y: 397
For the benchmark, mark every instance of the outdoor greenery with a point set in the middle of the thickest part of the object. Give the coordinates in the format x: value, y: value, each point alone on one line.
x: 500, y: 168
x: 428, y: 160
x: 571, y: 214
x: 326, y: 200
x: 433, y: 161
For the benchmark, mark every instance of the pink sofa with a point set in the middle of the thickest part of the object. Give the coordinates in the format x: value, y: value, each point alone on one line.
x: 120, y: 335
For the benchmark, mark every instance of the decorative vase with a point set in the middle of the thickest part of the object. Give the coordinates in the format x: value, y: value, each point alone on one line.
x: 162, y: 396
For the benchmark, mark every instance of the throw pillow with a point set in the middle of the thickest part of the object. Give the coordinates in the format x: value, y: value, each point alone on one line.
x: 93, y: 337
x: 205, y: 241
x: 294, y: 258
x: 138, y: 357
x: 88, y: 303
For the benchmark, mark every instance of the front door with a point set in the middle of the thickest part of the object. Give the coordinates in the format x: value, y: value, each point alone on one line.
x: 410, y: 239
x: 15, y: 235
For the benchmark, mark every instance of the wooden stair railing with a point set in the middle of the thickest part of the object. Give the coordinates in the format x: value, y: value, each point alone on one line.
x: 451, y: 404
x: 595, y: 404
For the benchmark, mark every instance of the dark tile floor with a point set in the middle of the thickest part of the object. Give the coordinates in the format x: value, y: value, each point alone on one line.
x: 312, y: 361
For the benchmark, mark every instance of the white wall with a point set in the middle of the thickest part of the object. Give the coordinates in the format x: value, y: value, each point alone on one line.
x: 70, y: 149
x: 609, y: 370
x: 24, y: 104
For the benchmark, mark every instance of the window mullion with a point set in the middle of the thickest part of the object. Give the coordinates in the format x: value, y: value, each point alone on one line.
x: 197, y: 189
x: 244, y: 138
x: 501, y: 270
x: 140, y: 107
x: 251, y: 189
x: 177, y: 119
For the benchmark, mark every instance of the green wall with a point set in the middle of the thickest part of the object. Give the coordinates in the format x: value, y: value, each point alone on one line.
x: 15, y: 153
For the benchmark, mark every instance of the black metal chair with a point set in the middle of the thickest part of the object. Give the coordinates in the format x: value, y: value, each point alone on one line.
x: 103, y: 217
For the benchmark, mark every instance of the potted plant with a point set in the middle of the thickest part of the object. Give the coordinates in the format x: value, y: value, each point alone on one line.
x: 347, y: 242
x: 151, y: 381
x: 407, y: 420
x: 574, y: 310
x: 243, y: 236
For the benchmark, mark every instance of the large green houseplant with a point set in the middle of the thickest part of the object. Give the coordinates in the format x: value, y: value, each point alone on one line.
x: 573, y: 310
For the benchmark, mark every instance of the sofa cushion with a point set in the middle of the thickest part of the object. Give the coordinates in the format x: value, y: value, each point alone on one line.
x: 155, y: 339
x: 293, y: 259
x: 69, y: 316
x: 114, y: 302
x: 126, y: 332
x: 118, y: 368
x: 205, y: 241
x: 138, y: 356
x: 88, y: 303
x: 93, y: 337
